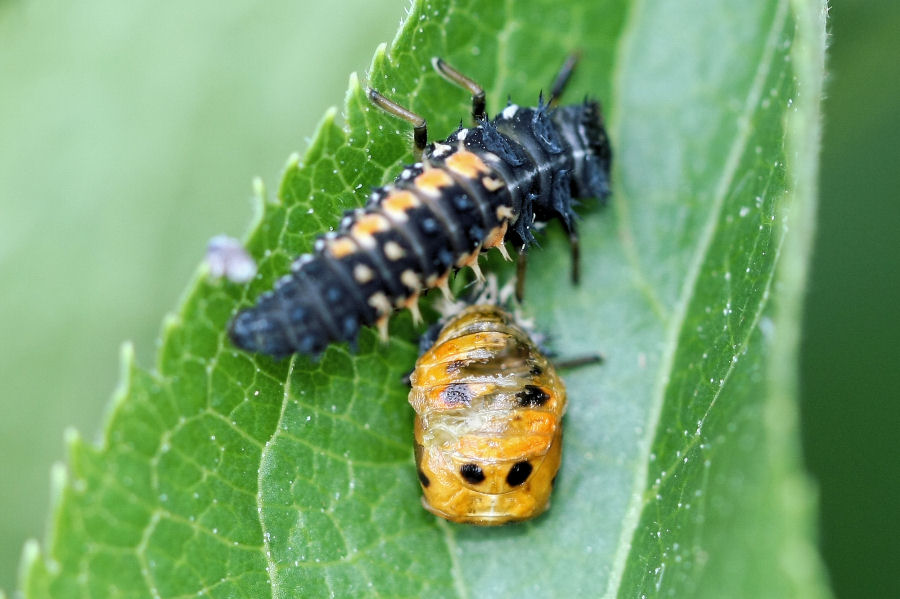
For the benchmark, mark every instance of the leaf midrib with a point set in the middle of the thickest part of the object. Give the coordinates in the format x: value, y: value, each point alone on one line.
x: 271, y: 565
x: 676, y: 323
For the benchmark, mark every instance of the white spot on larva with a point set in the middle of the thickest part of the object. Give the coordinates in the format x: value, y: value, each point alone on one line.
x: 393, y: 250
x: 380, y: 302
x: 510, y: 111
x: 362, y: 273
x: 410, y: 279
x: 491, y: 184
x: 504, y: 212
x: 461, y: 136
x: 296, y: 265
x: 440, y: 149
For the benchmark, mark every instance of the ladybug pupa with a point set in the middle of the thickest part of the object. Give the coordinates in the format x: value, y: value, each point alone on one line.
x: 480, y: 188
x: 488, y: 425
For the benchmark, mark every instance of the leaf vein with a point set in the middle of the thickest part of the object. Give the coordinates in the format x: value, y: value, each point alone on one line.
x: 738, y: 147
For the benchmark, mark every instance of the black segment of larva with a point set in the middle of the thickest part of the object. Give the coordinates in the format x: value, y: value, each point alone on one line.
x: 518, y: 474
x: 423, y: 229
x: 472, y: 473
x: 453, y: 222
x: 481, y: 187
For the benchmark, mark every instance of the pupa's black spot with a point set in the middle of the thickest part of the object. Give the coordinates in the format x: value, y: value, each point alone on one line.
x: 532, y: 396
x: 473, y: 473
x: 423, y: 478
x: 456, y: 394
x: 518, y: 474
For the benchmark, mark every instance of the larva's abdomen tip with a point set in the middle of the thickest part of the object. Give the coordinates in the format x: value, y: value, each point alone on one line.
x: 240, y: 331
x: 252, y: 333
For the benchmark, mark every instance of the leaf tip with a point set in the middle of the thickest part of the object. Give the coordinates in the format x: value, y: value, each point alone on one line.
x: 126, y: 364
x: 73, y: 442
x: 259, y: 187
x: 380, y: 52
x: 258, y: 200
x: 59, y: 476
x: 126, y: 359
x: 378, y: 60
x: 354, y: 89
x: 293, y: 161
x: 31, y: 553
x: 170, y: 322
x: 330, y: 114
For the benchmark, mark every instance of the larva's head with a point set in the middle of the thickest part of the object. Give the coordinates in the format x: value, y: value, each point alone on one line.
x: 582, y: 127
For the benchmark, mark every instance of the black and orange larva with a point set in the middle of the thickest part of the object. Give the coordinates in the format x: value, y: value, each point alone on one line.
x: 477, y: 189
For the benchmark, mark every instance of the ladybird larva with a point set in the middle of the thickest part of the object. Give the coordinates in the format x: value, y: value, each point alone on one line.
x: 478, y: 189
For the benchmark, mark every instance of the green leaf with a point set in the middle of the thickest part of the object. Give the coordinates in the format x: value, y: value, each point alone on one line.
x: 228, y: 475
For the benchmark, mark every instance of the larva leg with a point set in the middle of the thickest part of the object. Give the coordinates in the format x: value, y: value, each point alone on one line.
x: 578, y: 361
x: 457, y: 78
x: 562, y: 78
x: 576, y: 256
x: 521, y: 268
x: 420, y: 128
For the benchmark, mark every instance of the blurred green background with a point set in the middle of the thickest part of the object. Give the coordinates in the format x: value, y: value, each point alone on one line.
x: 130, y: 133
x: 850, y: 374
x: 130, y: 136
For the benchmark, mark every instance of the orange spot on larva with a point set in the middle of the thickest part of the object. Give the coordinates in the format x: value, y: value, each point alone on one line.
x: 398, y: 202
x: 466, y: 164
x: 370, y: 224
x: 496, y: 236
x: 491, y: 184
x: 505, y: 212
x: 364, y: 229
x: 432, y: 180
x: 342, y: 246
